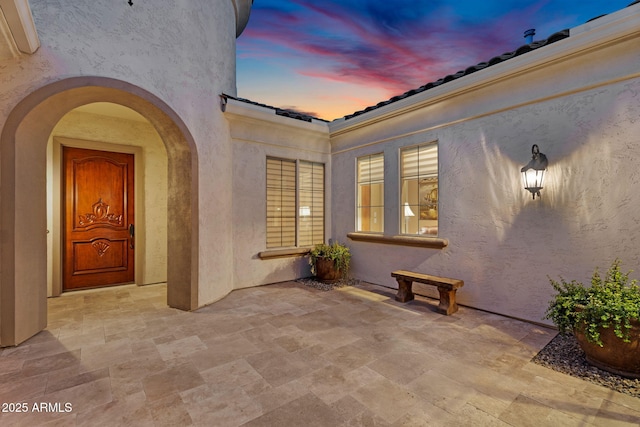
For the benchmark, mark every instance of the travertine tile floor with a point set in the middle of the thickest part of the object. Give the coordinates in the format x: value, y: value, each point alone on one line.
x: 289, y: 355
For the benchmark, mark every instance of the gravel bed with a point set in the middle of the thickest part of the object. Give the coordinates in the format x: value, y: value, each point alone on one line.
x: 311, y: 282
x: 563, y: 354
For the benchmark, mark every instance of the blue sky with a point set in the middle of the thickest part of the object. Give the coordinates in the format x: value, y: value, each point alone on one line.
x: 330, y: 58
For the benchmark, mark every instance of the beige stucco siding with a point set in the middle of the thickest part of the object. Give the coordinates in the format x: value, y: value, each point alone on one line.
x: 168, y: 61
x: 579, y: 100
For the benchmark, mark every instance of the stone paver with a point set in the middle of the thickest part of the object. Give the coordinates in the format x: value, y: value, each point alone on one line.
x: 290, y: 355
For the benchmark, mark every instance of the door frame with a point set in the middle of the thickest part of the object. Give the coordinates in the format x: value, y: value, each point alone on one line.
x: 58, y: 220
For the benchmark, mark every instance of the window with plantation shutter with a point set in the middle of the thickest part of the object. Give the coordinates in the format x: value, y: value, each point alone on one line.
x: 295, y: 203
x: 419, y: 192
x: 370, y: 197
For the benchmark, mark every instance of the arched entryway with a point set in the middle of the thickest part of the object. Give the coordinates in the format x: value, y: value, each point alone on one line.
x: 23, y: 286
x: 140, y: 249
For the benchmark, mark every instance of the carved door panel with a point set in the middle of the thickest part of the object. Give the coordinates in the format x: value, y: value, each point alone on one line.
x: 98, y: 218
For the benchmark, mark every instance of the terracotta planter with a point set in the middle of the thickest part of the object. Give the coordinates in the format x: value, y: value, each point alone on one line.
x: 326, y: 271
x: 615, y: 356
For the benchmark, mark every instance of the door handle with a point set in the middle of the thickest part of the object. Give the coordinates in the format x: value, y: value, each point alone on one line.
x: 131, y: 235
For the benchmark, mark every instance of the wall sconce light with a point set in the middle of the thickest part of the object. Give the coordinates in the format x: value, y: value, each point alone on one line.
x: 533, y: 172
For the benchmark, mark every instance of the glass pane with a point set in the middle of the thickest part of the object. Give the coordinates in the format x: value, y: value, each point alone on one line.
x: 363, y: 215
x: 377, y: 194
x: 370, y: 193
x: 410, y: 218
x: 376, y: 220
x: 364, y: 195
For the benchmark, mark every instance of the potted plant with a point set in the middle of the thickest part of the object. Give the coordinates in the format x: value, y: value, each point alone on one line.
x: 603, y: 317
x: 330, y: 263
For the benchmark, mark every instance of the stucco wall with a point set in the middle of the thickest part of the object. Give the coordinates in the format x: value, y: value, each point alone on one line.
x: 582, y: 110
x: 257, y: 133
x: 181, y: 53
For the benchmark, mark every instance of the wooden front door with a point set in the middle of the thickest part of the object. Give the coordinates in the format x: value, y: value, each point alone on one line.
x: 98, y: 215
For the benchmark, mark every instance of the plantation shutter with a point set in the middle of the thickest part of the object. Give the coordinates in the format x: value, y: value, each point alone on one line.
x: 420, y: 161
x: 371, y: 169
x: 311, y: 206
x: 281, y: 203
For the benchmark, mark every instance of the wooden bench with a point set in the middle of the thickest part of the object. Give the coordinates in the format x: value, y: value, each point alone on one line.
x: 446, y: 287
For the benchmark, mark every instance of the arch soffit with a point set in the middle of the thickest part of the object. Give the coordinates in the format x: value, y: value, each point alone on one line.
x: 51, y: 102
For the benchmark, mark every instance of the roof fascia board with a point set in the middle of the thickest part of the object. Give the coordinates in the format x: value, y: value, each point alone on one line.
x: 20, y: 20
x: 586, y: 38
x: 243, y: 111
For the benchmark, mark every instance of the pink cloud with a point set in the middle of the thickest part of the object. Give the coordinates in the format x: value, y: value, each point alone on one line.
x: 390, y: 47
x: 356, y: 51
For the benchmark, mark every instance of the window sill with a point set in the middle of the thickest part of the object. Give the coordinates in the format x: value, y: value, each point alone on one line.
x: 402, y: 240
x: 283, y: 253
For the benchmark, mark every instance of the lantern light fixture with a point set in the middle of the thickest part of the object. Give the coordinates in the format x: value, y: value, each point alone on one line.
x: 533, y: 172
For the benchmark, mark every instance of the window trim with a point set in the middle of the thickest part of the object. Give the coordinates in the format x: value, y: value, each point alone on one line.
x: 400, y: 183
x: 296, y: 249
x: 357, y: 191
x: 400, y: 240
x: 284, y: 253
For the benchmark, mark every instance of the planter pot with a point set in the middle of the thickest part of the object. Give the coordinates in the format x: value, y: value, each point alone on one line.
x: 615, y: 356
x: 326, y: 271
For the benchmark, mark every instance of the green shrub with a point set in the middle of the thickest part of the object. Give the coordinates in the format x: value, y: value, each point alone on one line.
x: 340, y: 254
x: 610, y: 302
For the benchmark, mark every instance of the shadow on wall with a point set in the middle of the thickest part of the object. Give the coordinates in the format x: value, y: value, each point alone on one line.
x: 589, y: 151
x: 281, y: 270
x: 504, y: 244
x: 374, y: 262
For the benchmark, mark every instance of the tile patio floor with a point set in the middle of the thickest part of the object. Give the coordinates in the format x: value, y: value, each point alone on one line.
x: 289, y: 355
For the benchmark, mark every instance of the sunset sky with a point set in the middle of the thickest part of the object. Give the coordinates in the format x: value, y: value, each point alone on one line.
x: 330, y: 58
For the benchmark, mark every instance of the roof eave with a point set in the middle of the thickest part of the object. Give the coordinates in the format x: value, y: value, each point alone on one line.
x: 248, y: 111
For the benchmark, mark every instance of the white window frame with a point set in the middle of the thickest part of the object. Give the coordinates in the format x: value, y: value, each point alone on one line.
x: 369, y: 174
x: 314, y: 204
x: 419, y: 186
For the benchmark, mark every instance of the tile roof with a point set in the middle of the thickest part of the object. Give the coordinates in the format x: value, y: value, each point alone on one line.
x: 279, y: 111
x: 469, y: 70
x: 493, y: 61
x: 482, y: 65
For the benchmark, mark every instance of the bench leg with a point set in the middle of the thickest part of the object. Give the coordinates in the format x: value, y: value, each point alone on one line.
x: 447, y: 301
x: 404, y: 290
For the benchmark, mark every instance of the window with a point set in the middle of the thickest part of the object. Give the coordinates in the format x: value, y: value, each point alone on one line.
x: 419, y: 195
x: 295, y: 203
x: 370, y: 198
